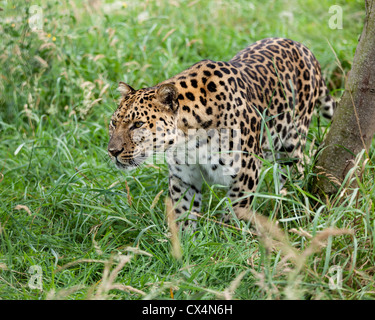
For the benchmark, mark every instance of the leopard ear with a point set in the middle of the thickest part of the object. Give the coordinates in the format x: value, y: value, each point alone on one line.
x: 125, y: 89
x: 167, y: 94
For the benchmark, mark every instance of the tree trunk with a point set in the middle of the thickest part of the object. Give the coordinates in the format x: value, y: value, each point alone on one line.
x: 353, y: 124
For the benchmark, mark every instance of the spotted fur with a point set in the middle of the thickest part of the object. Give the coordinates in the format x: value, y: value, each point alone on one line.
x: 274, y: 83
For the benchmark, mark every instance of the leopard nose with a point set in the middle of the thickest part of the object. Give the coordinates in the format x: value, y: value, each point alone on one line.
x: 115, y: 151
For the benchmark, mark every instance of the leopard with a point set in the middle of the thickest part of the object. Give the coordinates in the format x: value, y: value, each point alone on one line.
x: 256, y: 106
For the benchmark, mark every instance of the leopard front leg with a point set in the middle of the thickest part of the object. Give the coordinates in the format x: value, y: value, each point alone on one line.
x: 185, y: 183
x: 244, y: 183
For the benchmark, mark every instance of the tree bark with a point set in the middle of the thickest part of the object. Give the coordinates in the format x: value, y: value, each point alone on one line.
x: 353, y: 124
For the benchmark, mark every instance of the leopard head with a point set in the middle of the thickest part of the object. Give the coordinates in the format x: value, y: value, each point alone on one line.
x: 145, y: 122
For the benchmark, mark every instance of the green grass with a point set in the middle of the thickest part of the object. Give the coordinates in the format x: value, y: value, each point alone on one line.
x: 58, y: 91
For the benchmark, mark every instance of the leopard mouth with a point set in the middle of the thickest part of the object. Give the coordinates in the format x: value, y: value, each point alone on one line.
x: 121, y: 165
x: 129, y: 163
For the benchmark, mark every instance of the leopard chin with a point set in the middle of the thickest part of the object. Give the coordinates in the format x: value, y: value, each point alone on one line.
x: 129, y: 164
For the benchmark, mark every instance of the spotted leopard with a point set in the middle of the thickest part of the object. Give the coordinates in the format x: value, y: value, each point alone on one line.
x: 257, y: 105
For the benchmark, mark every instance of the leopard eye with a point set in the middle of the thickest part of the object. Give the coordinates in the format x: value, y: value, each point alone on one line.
x: 138, y: 124
x: 113, y: 123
